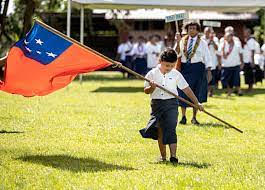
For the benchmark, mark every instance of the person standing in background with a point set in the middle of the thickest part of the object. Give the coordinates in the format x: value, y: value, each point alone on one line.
x: 121, y: 55
x: 153, y: 51
x: 249, y: 50
x: 139, y: 56
x: 213, y: 43
x: 195, y: 59
x: 231, y: 60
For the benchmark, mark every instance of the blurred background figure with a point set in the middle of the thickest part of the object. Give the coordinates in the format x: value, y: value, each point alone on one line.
x: 140, y: 56
x: 231, y: 60
x: 251, y: 48
x: 213, y: 43
x: 153, y: 51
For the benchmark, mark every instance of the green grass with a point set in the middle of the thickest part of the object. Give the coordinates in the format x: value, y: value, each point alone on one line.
x: 86, y: 137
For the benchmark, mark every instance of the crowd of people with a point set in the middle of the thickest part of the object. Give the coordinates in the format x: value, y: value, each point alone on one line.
x: 190, y: 70
x: 229, y: 57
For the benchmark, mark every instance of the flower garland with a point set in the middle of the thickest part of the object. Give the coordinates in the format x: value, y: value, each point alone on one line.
x: 186, y: 38
x: 231, y: 47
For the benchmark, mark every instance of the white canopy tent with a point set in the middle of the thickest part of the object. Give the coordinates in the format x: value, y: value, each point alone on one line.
x: 210, y: 5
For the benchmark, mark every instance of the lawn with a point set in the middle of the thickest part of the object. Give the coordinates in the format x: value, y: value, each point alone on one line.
x: 86, y: 137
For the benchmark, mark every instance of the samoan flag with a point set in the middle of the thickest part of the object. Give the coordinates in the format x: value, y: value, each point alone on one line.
x: 44, y: 62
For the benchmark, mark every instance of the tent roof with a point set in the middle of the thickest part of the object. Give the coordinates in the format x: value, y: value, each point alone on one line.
x: 214, y: 5
x: 160, y: 14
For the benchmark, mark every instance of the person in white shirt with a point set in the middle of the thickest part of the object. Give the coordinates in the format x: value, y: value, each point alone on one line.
x: 259, y: 59
x: 163, y: 122
x: 128, y: 55
x: 139, y: 55
x: 213, y: 43
x: 195, y: 61
x: 231, y: 60
x: 121, y: 55
x: 230, y: 29
x: 153, y: 51
x: 249, y: 50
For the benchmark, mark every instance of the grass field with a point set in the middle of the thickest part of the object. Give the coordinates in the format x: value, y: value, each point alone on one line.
x: 86, y: 137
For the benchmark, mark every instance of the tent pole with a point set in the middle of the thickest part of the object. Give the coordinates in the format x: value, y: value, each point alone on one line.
x: 69, y: 18
x: 81, y: 33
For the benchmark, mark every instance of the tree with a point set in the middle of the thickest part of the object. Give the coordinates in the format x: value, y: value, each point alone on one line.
x: 20, y: 22
x: 259, y: 31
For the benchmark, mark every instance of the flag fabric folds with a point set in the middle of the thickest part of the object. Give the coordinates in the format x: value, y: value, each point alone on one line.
x: 45, y: 61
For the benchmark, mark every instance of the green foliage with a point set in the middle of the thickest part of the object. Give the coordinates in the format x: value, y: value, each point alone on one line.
x: 86, y: 137
x: 259, y: 31
x: 15, y: 21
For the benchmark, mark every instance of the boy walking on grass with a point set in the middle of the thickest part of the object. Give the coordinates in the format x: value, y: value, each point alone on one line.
x: 163, y: 122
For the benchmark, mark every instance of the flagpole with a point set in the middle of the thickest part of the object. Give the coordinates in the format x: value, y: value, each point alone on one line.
x: 131, y: 71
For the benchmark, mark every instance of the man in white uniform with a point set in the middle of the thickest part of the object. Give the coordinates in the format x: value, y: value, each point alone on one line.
x: 231, y: 60
x: 153, y: 51
x: 249, y: 50
x: 213, y: 43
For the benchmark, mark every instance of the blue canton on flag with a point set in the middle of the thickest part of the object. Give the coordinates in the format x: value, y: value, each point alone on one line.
x: 42, y: 45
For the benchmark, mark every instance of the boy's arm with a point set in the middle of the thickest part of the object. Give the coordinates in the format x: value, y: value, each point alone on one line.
x: 194, y: 99
x: 150, y: 89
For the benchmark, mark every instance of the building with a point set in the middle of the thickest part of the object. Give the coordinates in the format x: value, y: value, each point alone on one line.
x: 105, y: 28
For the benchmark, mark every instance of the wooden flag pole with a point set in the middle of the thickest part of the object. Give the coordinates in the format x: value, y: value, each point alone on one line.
x: 132, y: 72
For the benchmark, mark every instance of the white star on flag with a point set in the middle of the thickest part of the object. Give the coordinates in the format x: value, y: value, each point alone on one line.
x: 29, y: 50
x: 50, y: 54
x: 38, y: 52
x: 38, y: 41
x: 25, y: 41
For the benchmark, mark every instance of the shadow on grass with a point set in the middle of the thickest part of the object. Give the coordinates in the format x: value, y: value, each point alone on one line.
x: 186, y: 164
x: 10, y: 132
x: 214, y: 125
x: 219, y: 92
x: 73, y: 164
x: 104, y: 77
x: 119, y: 89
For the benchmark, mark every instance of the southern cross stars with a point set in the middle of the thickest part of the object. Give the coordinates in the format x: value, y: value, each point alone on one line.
x: 38, y: 41
x: 50, y: 54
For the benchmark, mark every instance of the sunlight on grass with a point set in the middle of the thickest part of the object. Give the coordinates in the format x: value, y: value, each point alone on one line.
x: 86, y: 137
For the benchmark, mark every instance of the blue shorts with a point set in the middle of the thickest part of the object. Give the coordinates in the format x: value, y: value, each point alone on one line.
x: 230, y: 76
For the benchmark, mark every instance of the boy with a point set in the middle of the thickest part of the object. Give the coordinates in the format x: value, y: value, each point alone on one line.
x: 163, y: 122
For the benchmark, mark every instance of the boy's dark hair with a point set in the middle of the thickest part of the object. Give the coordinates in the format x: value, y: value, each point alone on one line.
x: 168, y: 55
x: 192, y: 23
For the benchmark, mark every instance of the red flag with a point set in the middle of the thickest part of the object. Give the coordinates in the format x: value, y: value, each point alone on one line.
x: 44, y: 62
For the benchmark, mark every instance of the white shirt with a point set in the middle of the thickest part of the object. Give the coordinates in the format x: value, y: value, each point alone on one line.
x: 236, y: 40
x: 121, y: 50
x: 170, y: 81
x: 152, y: 58
x: 248, y: 48
x: 202, y: 53
x: 213, y: 51
x: 233, y: 59
x: 128, y: 47
x: 139, y: 50
x: 263, y: 48
x: 259, y: 60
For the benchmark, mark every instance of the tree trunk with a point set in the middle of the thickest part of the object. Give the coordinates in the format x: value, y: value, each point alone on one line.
x: 3, y: 16
x: 29, y: 11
